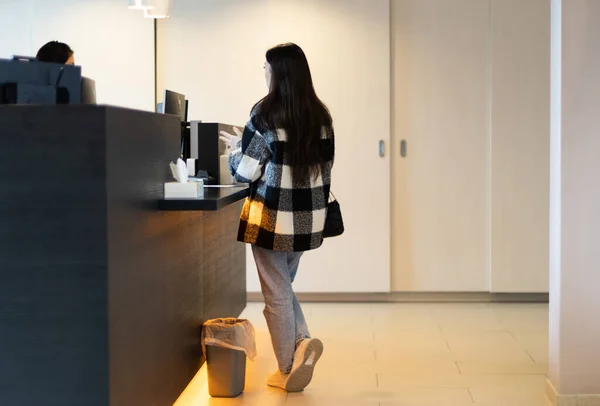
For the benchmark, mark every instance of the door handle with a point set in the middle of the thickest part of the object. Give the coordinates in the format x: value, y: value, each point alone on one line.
x: 403, y: 148
x: 381, y: 148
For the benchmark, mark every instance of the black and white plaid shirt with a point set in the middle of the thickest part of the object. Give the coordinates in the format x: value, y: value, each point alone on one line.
x: 280, y: 214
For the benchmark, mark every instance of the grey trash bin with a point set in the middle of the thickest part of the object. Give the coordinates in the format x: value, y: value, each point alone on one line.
x: 226, y: 343
x: 226, y: 371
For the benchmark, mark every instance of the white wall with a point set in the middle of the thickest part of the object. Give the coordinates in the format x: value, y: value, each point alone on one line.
x: 555, y: 191
x: 114, y: 45
x: 213, y: 51
x: 575, y: 220
x: 520, y: 142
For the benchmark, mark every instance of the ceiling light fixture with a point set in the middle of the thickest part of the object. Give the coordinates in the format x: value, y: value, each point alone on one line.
x: 142, y: 4
x: 162, y: 9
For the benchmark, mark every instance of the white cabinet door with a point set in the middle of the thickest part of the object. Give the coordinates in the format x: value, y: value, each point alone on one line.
x: 440, y: 198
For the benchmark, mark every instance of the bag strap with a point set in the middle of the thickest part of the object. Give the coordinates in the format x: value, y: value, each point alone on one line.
x: 332, y: 195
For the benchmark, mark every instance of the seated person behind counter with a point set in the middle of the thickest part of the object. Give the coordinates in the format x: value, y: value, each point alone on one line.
x: 52, y: 52
x: 59, y: 52
x: 56, y: 52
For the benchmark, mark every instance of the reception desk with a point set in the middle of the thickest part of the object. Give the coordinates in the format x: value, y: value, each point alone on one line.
x: 103, y: 287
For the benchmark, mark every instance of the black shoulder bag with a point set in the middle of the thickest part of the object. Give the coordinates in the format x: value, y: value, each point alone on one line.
x: 334, y: 225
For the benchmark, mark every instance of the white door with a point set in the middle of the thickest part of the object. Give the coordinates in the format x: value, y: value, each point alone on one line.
x: 440, y: 199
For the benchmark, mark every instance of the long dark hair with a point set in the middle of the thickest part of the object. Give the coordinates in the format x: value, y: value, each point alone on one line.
x: 54, y: 51
x: 292, y: 105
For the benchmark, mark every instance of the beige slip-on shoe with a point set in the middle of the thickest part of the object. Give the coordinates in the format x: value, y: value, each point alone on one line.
x: 278, y: 380
x: 307, y: 354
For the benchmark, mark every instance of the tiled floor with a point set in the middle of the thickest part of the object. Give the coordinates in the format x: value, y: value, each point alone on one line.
x: 407, y: 355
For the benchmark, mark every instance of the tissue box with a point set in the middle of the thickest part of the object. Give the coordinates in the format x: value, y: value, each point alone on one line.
x: 189, y: 190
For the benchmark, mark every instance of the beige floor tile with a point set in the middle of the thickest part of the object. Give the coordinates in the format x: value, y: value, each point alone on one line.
x: 339, y: 379
x: 524, y: 318
x: 466, y: 324
x: 510, y: 309
x: 507, y: 395
x: 360, y: 311
x: 525, y: 325
x: 434, y: 374
x: 532, y: 339
x: 347, y: 357
x: 341, y: 337
x: 508, y: 389
x: 519, y: 382
x: 404, y: 396
x: 402, y: 316
x: 501, y: 397
x: 421, y: 354
x: 383, y: 310
x: 399, y: 343
x: 391, y: 381
x: 334, y: 353
x: 538, y: 355
x: 341, y: 330
x: 398, y: 329
x: 325, y: 397
x: 500, y: 367
x: 461, y: 341
x: 411, y: 367
x: 535, y: 343
x: 427, y: 397
x: 269, y: 397
x: 486, y: 346
x: 458, y: 307
x: 388, y: 380
x: 521, y: 402
x: 404, y: 346
x: 492, y: 355
x: 470, y: 317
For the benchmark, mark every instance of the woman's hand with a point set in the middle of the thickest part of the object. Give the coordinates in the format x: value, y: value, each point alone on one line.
x: 230, y: 139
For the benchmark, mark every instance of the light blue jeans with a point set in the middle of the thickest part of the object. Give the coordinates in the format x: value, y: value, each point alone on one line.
x: 285, y: 319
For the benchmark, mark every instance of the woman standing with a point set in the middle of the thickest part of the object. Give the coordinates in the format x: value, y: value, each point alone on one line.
x: 286, y: 154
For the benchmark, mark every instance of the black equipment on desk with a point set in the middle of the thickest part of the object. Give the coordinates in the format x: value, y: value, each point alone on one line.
x: 176, y: 104
x: 88, y: 91
x: 27, y: 81
x: 207, y: 148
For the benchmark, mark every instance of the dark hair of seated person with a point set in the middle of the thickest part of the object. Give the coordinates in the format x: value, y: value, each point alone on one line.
x: 56, y: 52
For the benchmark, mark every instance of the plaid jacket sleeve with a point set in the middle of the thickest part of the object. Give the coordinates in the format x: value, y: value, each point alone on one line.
x: 246, y: 163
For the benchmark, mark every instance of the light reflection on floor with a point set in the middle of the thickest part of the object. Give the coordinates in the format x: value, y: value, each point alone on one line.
x: 406, y: 354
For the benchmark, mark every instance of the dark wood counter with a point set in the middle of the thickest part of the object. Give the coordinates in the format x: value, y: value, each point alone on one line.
x: 102, y: 295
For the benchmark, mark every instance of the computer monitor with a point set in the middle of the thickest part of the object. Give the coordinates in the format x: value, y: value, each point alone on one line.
x: 33, y: 82
x: 88, y: 91
x: 23, y: 58
x: 174, y: 103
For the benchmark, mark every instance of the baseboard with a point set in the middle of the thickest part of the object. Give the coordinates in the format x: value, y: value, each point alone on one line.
x: 570, y: 400
x: 551, y: 393
x: 416, y: 297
